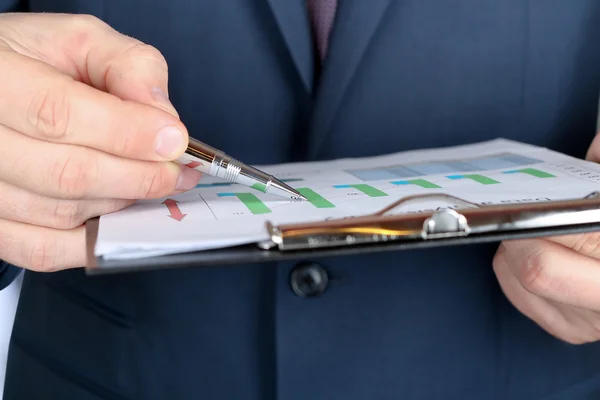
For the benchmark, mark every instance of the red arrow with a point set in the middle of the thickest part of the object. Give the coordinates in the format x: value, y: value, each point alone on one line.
x: 193, y: 164
x: 174, y: 209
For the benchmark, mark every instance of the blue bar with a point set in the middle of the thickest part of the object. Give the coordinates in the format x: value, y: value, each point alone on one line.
x: 216, y: 184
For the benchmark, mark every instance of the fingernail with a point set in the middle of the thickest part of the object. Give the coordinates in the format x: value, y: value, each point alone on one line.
x: 188, y: 178
x: 161, y: 97
x: 169, y: 142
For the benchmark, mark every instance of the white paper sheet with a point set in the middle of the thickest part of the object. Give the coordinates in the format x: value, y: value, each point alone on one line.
x: 217, y: 214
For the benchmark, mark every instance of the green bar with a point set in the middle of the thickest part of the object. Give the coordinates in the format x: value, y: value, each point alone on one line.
x: 260, y: 187
x: 537, y: 173
x: 254, y: 204
x: 369, y: 190
x: 484, y: 180
x: 424, y: 184
x: 315, y: 198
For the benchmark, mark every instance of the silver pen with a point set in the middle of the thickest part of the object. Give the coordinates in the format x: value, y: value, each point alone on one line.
x: 213, y: 162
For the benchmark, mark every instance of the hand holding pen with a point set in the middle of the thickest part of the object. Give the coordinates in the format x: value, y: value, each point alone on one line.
x: 74, y: 150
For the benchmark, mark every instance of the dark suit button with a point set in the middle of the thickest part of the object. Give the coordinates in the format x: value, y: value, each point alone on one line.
x: 309, y: 279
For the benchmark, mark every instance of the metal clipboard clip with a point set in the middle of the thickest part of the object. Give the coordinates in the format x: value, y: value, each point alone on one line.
x: 472, y: 220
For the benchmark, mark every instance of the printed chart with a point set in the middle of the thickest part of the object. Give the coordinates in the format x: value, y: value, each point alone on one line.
x: 328, y: 196
x: 217, y: 213
x: 453, y: 167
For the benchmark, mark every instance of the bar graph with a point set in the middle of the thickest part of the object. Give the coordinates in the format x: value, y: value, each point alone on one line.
x: 366, y: 189
x: 531, y: 171
x: 253, y: 203
x: 419, y: 182
x: 484, y: 180
x: 315, y: 198
x: 407, y: 171
x: 327, y: 193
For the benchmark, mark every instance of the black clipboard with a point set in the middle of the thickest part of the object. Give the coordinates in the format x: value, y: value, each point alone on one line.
x: 469, y: 224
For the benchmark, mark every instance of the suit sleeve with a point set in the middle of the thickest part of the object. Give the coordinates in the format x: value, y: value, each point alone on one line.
x: 13, y: 5
x: 8, y: 273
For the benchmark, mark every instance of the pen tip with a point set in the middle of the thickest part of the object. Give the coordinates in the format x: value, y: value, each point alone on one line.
x: 282, y: 189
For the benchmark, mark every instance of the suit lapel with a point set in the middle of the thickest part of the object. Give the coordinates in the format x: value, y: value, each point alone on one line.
x: 355, y: 27
x: 292, y: 20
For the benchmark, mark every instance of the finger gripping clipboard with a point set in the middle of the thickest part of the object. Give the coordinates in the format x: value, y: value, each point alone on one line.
x: 383, y: 231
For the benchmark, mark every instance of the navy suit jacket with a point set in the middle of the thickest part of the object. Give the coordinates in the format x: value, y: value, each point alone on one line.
x: 426, y: 324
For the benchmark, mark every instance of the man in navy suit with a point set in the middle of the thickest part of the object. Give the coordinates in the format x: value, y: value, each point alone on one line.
x: 90, y: 119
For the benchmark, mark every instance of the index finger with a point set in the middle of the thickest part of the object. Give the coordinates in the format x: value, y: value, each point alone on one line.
x: 89, y: 50
x: 39, y: 101
x: 587, y: 244
x: 555, y: 272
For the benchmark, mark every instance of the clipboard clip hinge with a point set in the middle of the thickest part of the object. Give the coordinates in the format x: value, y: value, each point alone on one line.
x: 445, y: 223
x: 275, y: 237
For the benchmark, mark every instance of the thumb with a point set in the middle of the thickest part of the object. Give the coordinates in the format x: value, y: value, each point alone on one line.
x: 92, y: 52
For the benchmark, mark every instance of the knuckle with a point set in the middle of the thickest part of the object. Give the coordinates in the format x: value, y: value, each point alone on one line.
x: 72, y: 175
x: 127, y: 143
x: 562, y: 328
x: 534, y: 276
x: 81, y: 29
x: 595, y: 324
x: 27, y: 204
x: 40, y: 255
x: 49, y: 112
x: 588, y: 243
x: 83, y: 22
x: 155, y: 184
x: 67, y: 214
x: 575, y: 339
x: 145, y: 51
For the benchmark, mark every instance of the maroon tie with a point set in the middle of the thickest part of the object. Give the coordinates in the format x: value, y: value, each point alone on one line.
x: 322, y: 13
